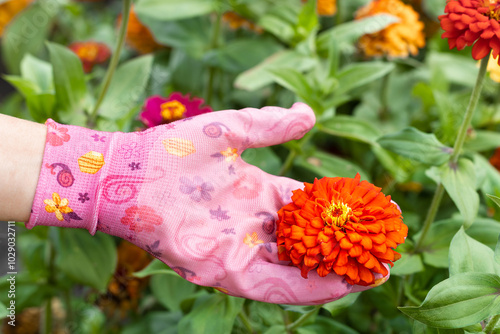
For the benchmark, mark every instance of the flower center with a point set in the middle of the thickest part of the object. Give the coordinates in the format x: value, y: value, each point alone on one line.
x: 88, y: 52
x: 172, y: 110
x: 336, y: 214
x: 492, y: 9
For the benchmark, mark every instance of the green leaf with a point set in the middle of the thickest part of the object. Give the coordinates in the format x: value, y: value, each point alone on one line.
x: 460, y: 183
x: 416, y: 145
x: 260, y: 76
x: 494, y: 199
x: 455, y: 68
x: 307, y: 20
x: 352, y: 128
x: 39, y: 72
x: 462, y: 300
x: 69, y: 79
x: 324, y: 164
x: 296, y: 82
x: 437, y: 242
x: 359, y: 74
x: 420, y: 328
x: 497, y: 251
x: 348, y: 33
x: 264, y: 158
x: 214, y: 313
x: 276, y: 329
x: 154, y: 268
x: 154, y: 322
x: 482, y: 140
x: 87, y: 259
x: 281, y: 21
x: 469, y: 255
x: 3, y: 311
x: 325, y: 325
x: 241, y: 54
x: 126, y: 88
x: 168, y: 10
x: 190, y: 35
x: 408, y: 264
x: 40, y: 105
x: 337, y: 306
x: 171, y: 290
x: 27, y: 33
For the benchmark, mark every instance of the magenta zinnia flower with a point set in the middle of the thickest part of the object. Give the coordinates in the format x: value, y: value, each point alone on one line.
x: 160, y: 110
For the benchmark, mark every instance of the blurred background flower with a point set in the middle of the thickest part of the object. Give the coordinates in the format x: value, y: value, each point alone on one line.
x: 160, y: 110
x: 398, y: 40
x: 9, y: 9
x: 90, y: 53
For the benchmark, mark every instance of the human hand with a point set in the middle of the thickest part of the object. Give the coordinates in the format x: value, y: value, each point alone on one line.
x: 182, y: 192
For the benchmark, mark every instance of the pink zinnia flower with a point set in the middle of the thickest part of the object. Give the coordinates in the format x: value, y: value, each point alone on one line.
x: 159, y: 110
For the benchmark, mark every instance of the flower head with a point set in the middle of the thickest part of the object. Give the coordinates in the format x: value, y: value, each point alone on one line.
x: 138, y: 36
x: 325, y: 7
x: 236, y: 21
x: 9, y: 9
x: 341, y: 225
x: 159, y: 110
x: 91, y: 53
x: 57, y: 205
x: 399, y: 39
x: 472, y: 22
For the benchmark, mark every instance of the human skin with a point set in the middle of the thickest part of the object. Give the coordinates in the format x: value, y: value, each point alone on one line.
x: 21, y: 150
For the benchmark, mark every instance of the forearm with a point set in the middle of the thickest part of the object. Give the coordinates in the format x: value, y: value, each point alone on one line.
x: 21, y: 151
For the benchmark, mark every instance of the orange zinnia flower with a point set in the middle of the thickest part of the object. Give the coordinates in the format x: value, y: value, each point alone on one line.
x: 139, y: 37
x: 9, y: 9
x: 470, y: 22
x: 398, y: 39
x: 325, y: 7
x: 495, y: 159
x: 90, y: 53
x: 342, y: 225
x: 236, y: 21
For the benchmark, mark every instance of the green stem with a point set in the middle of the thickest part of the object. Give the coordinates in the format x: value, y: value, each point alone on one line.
x: 287, y: 165
x: 245, y: 321
x: 491, y: 324
x: 431, y: 214
x: 476, y: 93
x: 384, y: 92
x: 288, y: 162
x: 214, y: 43
x: 303, y: 318
x: 112, y: 64
x: 457, y: 148
x: 48, y: 316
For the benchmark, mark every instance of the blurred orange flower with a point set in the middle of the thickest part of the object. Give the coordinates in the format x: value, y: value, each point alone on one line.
x: 139, y: 37
x: 124, y: 289
x: 495, y: 159
x: 236, y: 21
x: 325, y: 7
x: 399, y: 39
x: 9, y: 9
x: 342, y: 225
x: 90, y: 53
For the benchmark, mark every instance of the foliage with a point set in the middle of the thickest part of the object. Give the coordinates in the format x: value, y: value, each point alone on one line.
x: 394, y: 121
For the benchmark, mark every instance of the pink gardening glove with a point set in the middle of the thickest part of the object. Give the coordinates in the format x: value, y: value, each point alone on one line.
x: 182, y: 192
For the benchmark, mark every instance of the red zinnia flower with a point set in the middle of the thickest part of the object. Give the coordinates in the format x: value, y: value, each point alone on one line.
x: 91, y: 53
x: 160, y: 110
x: 472, y: 22
x: 342, y: 225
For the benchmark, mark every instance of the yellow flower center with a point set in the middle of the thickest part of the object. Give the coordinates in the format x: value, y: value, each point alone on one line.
x: 494, y: 9
x: 88, y: 52
x: 337, y: 214
x: 172, y: 110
